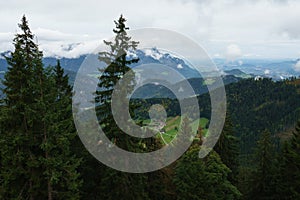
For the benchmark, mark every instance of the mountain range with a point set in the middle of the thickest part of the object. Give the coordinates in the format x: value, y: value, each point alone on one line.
x: 231, y: 71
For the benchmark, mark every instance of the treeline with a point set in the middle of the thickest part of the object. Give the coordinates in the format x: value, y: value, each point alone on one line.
x: 272, y: 174
x: 41, y: 156
x: 254, y: 105
x: 36, y: 127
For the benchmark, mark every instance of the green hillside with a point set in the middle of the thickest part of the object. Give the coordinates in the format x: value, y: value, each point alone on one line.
x: 172, y: 127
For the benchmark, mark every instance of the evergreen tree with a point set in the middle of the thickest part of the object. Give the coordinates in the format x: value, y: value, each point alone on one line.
x: 35, y: 137
x: 228, y: 149
x: 262, y: 178
x: 158, y: 181
x: 60, y: 165
x: 207, y: 178
x: 119, y: 184
x: 117, y: 66
x: 290, y: 167
x: 19, y: 164
x: 186, y: 133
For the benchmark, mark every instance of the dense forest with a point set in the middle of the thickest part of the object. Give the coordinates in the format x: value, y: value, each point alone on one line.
x: 41, y: 157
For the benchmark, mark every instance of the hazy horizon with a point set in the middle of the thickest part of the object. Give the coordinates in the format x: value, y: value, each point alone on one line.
x: 226, y: 29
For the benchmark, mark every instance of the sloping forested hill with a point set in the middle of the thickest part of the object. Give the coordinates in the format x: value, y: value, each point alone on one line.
x: 254, y: 105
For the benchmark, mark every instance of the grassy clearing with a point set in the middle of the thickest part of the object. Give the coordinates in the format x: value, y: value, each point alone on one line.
x: 173, y: 127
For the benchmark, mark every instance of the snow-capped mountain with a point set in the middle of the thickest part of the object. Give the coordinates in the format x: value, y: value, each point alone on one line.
x: 145, y: 57
x: 245, y: 68
x: 155, y: 56
x: 5, y: 54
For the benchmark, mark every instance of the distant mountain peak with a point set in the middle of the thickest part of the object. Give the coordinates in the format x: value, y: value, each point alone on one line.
x: 161, y: 57
x: 5, y: 53
x: 154, y: 53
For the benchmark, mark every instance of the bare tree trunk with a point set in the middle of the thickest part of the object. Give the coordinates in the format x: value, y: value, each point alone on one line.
x: 49, y: 190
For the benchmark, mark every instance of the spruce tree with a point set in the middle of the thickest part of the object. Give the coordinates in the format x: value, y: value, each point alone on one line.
x: 117, y: 66
x: 290, y: 167
x: 35, y: 137
x: 59, y: 163
x: 262, y: 179
x: 228, y: 149
x: 206, y: 178
x: 119, y: 184
x: 19, y: 164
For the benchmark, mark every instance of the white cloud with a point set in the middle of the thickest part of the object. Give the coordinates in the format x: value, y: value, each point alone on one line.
x: 261, y: 27
x: 233, y: 51
x: 52, y: 35
x: 216, y: 55
x: 60, y: 44
x: 297, y: 66
x: 59, y: 49
x: 55, y: 43
x: 267, y: 71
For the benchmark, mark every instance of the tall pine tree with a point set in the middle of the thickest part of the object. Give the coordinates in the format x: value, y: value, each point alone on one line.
x: 262, y: 180
x: 228, y: 149
x: 206, y: 178
x: 290, y: 167
x: 19, y: 163
x: 119, y: 184
x: 36, y: 162
x: 117, y: 66
x: 59, y: 163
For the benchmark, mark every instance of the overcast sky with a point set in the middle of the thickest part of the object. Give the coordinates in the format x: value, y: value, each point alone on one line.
x: 225, y: 28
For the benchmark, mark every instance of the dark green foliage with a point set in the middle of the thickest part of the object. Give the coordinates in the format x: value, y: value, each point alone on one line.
x: 157, y: 185
x: 206, y: 178
x: 263, y: 179
x: 228, y: 149
x: 186, y: 131
x: 171, y: 106
x: 290, y: 167
x: 117, y: 65
x: 59, y: 162
x: 203, y: 178
x: 256, y: 105
x: 36, y: 128
x: 120, y: 185
x: 19, y: 164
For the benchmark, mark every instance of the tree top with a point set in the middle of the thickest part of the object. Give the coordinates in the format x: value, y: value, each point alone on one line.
x: 120, y: 25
